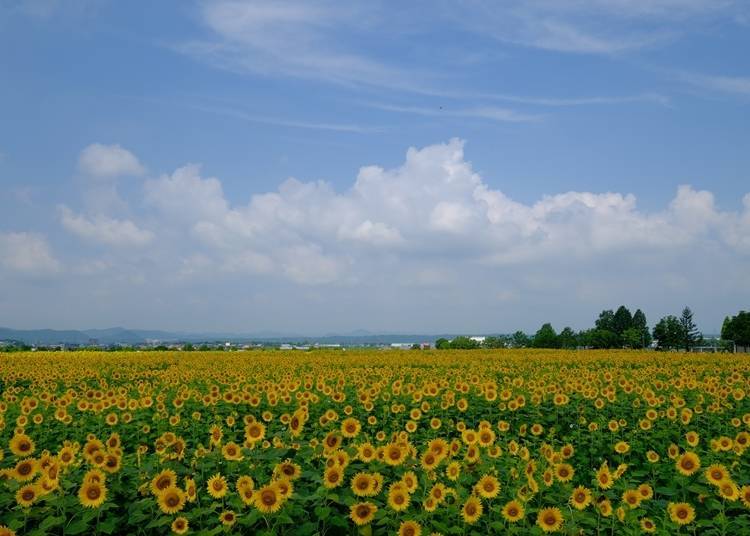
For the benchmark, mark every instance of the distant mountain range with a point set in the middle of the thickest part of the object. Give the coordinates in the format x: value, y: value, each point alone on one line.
x: 125, y: 336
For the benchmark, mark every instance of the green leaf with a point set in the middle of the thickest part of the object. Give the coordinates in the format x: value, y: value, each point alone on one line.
x: 77, y: 527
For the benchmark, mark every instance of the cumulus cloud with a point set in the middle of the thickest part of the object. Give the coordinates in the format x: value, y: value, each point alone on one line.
x: 108, y: 161
x: 104, y: 230
x: 429, y: 244
x: 26, y: 254
x: 432, y: 206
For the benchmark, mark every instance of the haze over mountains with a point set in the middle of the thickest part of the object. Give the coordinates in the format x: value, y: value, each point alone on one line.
x: 120, y: 335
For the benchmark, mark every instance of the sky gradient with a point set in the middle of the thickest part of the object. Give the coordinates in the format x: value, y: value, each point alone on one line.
x: 316, y: 167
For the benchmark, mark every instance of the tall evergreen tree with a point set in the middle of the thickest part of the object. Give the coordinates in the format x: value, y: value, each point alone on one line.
x: 621, y: 320
x: 606, y: 320
x: 690, y: 335
x: 640, y: 323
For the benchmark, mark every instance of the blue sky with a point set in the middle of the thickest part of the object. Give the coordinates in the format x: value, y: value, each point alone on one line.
x: 209, y: 165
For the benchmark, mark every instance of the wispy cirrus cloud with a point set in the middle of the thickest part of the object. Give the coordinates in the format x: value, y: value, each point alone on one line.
x: 491, y: 113
x: 736, y: 85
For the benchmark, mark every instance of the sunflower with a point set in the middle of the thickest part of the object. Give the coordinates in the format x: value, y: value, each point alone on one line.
x: 5, y: 531
x: 688, y: 463
x: 362, y: 485
x: 228, y: 518
x: 362, y: 513
x: 488, y: 487
x: 564, y: 472
x: 92, y: 494
x: 191, y: 490
x: 25, y: 470
x: 350, y: 427
x: 245, y: 482
x: 453, y: 471
x: 232, y: 452
x: 366, y: 452
x: 472, y: 510
x: 646, y: 491
x: 285, y: 487
x: 622, y: 447
x: 288, y: 469
x: 681, y: 513
x: 66, y: 456
x: 398, y: 498
x: 603, y: 477
x: 410, y: 528
x: 333, y: 477
x: 745, y: 496
x: 26, y: 495
x: 652, y: 456
x: 549, y: 519
x: 513, y: 511
x: 171, y: 500
x: 438, y: 492
x: 410, y: 481
x: 716, y: 474
x: 268, y: 500
x: 729, y: 490
x: 180, y: 525
x: 580, y: 498
x: 647, y: 525
x: 393, y: 454
x: 632, y: 497
x: 605, y: 507
x: 217, y: 486
x: 21, y: 445
x: 165, y: 479
x: 255, y: 432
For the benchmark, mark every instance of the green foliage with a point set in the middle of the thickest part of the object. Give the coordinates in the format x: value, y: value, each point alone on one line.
x: 737, y: 329
x: 690, y: 335
x: 546, y: 337
x: 668, y: 333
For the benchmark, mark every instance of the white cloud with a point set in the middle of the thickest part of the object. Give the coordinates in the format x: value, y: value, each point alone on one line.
x: 184, y: 195
x: 108, y: 161
x: 426, y: 245
x: 433, y: 206
x: 104, y: 230
x: 737, y: 85
x: 26, y: 254
x: 590, y: 26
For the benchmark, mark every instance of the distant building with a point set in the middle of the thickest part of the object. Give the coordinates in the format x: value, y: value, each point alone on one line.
x: 402, y: 345
x: 480, y: 340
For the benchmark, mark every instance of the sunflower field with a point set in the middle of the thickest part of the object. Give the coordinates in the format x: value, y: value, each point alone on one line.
x: 374, y: 442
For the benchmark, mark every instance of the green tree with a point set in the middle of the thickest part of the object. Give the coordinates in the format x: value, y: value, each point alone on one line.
x: 690, y: 335
x: 520, y: 340
x: 632, y: 338
x: 546, y: 337
x: 442, y: 343
x: 568, y: 338
x: 621, y: 320
x: 640, y: 323
x: 606, y: 320
x: 737, y: 329
x: 600, y: 338
x: 494, y: 342
x: 463, y: 343
x: 668, y: 333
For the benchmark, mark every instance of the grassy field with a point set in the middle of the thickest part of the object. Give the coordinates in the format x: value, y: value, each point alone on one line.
x: 374, y: 442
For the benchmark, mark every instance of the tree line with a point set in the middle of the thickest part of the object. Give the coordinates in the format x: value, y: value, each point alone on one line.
x: 617, y: 329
